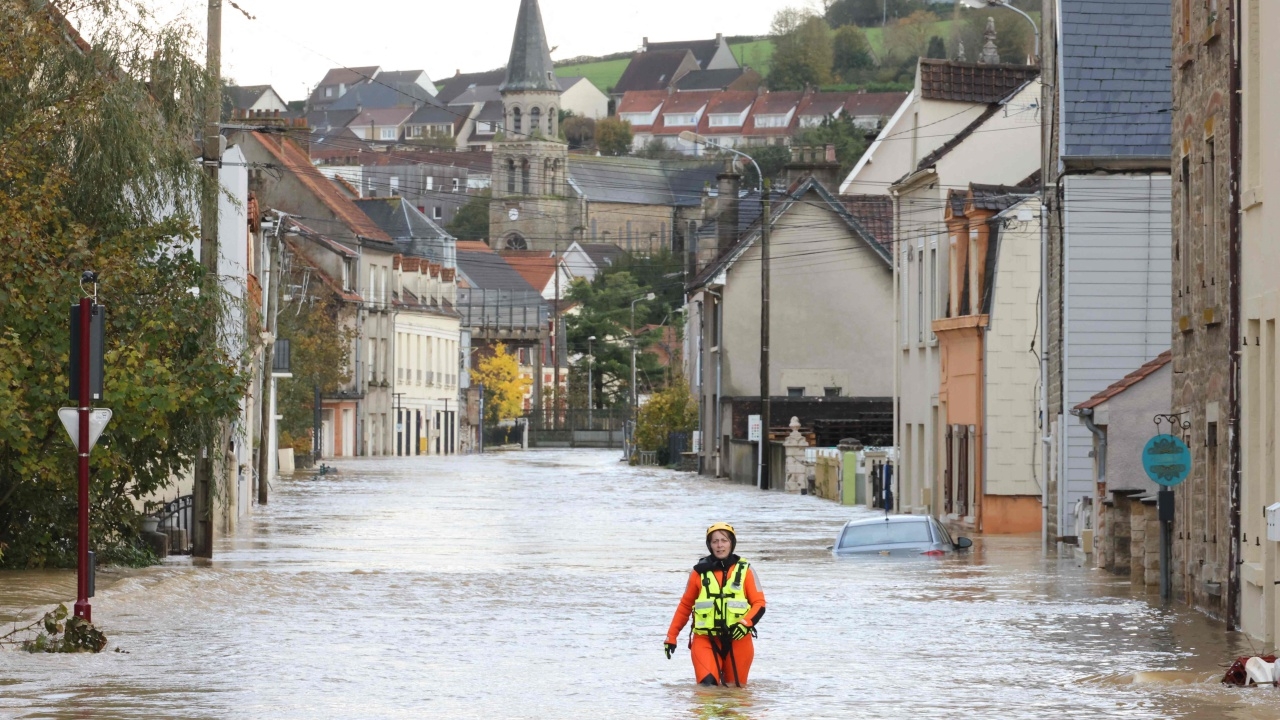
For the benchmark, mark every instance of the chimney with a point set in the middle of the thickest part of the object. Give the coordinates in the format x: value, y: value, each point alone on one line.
x: 814, y: 161
x: 727, y: 208
x: 644, y: 44
x: 719, y: 37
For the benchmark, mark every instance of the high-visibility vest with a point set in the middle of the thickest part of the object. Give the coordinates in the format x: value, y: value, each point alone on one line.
x: 720, y: 607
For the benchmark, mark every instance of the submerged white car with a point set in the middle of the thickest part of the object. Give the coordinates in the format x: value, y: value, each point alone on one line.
x: 898, y: 535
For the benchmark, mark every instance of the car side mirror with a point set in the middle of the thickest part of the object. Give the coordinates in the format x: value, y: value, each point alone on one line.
x: 963, y: 543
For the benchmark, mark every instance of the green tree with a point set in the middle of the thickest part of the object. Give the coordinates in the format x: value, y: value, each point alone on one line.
x: 937, y: 48
x: 504, y: 388
x: 870, y: 13
x: 772, y: 160
x: 802, y: 52
x: 1014, y: 36
x: 907, y: 38
x: 851, y: 51
x: 320, y: 353
x: 579, y: 132
x: 613, y: 136
x: 471, y: 222
x: 672, y: 409
x: 93, y: 139
x: 849, y: 139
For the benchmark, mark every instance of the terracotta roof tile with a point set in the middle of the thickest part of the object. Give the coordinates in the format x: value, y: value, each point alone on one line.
x: 637, y: 101
x: 875, y: 212
x: 1128, y: 381
x: 972, y: 82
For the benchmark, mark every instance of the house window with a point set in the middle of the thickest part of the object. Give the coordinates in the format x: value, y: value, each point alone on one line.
x: 535, y: 120
x: 516, y: 123
x: 511, y: 177
x: 431, y: 183
x: 387, y: 134
x: 920, y: 293
x: 1208, y: 278
x: 437, y: 213
x: 831, y: 392
x: 415, y: 131
x: 937, y: 293
x: 771, y: 121
x: 679, y: 119
x: 524, y: 177
x: 328, y: 92
x: 395, y: 186
x: 726, y: 120
x: 795, y: 392
x: 455, y: 184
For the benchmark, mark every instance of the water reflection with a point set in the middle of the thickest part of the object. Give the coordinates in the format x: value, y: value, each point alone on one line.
x: 539, y: 585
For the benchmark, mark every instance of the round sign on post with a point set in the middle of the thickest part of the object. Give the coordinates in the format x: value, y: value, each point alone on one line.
x: 1166, y: 460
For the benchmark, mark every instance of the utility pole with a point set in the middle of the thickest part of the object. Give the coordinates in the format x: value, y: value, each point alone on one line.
x: 202, y: 502
x: 268, y: 362
x: 555, y: 344
x: 766, y: 220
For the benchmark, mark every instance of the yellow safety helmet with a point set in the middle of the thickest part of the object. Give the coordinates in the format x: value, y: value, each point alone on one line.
x: 733, y: 536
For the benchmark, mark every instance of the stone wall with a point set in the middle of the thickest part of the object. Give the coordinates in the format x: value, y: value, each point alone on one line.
x: 1202, y: 340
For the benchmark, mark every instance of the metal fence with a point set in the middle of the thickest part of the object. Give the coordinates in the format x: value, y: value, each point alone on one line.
x: 176, y: 522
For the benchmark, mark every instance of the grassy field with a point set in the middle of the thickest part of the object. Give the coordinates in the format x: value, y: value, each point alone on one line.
x: 604, y: 74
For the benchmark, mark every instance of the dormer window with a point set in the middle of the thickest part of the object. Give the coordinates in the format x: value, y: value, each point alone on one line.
x: 679, y: 119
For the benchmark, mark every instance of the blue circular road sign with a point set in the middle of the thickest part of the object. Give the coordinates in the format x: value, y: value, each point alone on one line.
x: 1167, y: 460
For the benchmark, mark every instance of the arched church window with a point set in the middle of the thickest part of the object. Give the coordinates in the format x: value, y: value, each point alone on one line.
x: 551, y: 118
x: 535, y: 120
x: 516, y: 241
x: 511, y: 176
x: 550, y: 173
x: 524, y: 176
x: 515, y: 120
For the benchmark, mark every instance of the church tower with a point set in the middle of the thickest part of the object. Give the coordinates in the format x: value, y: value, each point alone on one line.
x: 530, y: 210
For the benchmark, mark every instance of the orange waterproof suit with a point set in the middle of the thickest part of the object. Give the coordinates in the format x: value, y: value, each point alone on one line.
x: 713, y: 660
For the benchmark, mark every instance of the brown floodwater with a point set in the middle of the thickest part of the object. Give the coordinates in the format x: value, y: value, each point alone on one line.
x: 540, y: 585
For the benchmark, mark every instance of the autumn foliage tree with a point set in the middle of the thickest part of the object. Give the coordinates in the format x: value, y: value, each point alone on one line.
x: 504, y: 388
x: 320, y: 345
x: 672, y: 409
x: 613, y: 136
x: 94, y: 142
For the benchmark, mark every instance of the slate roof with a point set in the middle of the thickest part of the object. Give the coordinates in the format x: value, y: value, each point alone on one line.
x: 1116, y: 79
x: 794, y: 195
x: 336, y: 143
x: 381, y: 94
x: 635, y: 181
x: 294, y: 160
x: 322, y: 120
x: 456, y: 85
x: 875, y: 212
x: 341, y: 76
x: 243, y: 97
x: 603, y: 254
x: 998, y: 197
x: 382, y: 117
x: 710, y: 79
x: 400, y: 219
x: 489, y: 271
x: 703, y: 50
x: 300, y: 258
x: 432, y: 114
x: 530, y: 65
x: 655, y: 70
x: 1128, y: 381
x: 972, y: 82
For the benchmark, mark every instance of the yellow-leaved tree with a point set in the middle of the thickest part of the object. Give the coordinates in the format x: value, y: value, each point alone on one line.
x: 669, y: 410
x: 504, y: 389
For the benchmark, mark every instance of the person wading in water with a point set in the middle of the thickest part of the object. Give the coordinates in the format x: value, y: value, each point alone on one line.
x: 726, y: 603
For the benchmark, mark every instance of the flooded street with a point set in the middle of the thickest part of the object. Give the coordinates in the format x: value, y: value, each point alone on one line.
x: 540, y: 585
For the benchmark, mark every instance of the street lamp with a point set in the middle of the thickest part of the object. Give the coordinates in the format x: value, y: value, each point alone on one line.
x: 591, y: 384
x: 695, y: 138
x: 979, y: 4
x: 634, y: 397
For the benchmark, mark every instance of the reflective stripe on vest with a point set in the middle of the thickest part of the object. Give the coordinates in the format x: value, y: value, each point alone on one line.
x: 718, y: 607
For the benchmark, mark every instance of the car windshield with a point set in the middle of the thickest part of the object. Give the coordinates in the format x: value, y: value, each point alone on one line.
x: 884, y: 533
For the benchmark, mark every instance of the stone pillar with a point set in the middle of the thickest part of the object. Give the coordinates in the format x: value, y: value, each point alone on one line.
x: 1137, y: 542
x: 1151, y: 546
x: 795, y: 445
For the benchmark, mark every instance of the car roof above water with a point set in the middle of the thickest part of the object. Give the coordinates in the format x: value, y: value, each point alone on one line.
x: 890, y: 519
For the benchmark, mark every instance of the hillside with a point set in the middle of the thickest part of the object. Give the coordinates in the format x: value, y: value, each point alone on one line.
x: 605, y: 72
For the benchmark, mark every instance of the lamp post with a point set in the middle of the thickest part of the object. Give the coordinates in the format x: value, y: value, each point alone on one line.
x: 979, y: 4
x: 766, y: 222
x: 695, y: 138
x: 634, y: 396
x: 591, y: 384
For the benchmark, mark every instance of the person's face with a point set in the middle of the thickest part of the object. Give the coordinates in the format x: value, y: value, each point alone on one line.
x: 720, y: 545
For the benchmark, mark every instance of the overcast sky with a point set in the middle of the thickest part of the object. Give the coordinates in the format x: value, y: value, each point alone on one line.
x: 293, y: 42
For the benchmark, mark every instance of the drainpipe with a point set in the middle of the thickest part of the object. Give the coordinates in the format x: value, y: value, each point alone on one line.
x: 1100, y: 462
x: 1237, y: 126
x: 719, y: 312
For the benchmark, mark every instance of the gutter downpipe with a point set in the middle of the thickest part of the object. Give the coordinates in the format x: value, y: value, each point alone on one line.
x: 1086, y: 415
x: 1234, y: 260
x: 719, y: 315
x: 1046, y: 439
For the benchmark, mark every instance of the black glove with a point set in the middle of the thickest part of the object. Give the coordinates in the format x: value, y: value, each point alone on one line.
x: 670, y: 648
x: 739, y: 631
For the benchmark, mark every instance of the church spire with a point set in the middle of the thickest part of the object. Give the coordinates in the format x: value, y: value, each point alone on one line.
x: 530, y: 65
